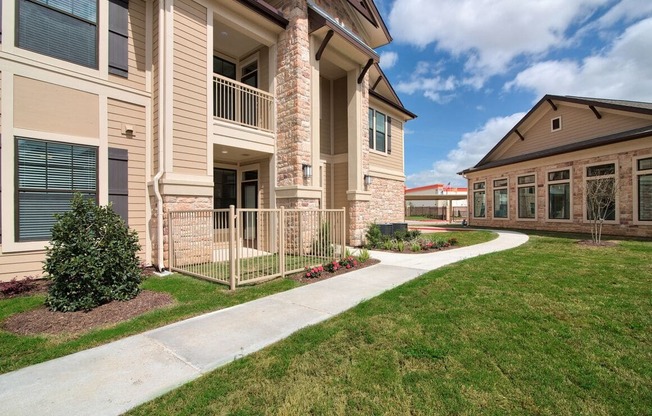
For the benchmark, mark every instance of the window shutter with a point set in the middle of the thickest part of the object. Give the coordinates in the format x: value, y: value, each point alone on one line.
x: 389, y: 135
x: 118, y: 37
x: 118, y: 181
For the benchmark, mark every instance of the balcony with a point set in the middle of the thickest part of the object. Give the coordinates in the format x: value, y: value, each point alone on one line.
x: 239, y: 103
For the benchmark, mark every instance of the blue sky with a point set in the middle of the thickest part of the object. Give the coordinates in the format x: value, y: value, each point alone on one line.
x: 470, y: 69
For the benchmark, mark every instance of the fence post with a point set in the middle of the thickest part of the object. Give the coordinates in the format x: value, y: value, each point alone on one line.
x: 232, y: 253
x: 170, y: 245
x: 281, y: 250
x: 343, y: 232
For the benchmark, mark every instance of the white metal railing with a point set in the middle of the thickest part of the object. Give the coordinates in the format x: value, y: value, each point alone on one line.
x: 245, y: 246
x: 241, y: 104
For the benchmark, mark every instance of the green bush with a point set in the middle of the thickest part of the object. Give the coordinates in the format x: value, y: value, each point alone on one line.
x: 92, y: 258
x: 374, y: 237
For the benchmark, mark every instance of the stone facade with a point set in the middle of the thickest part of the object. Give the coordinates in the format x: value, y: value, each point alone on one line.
x: 385, y: 206
x: 624, y: 225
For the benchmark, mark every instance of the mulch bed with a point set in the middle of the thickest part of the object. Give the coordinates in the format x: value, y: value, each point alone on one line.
x: 301, y: 277
x: 42, y: 321
x: 590, y: 243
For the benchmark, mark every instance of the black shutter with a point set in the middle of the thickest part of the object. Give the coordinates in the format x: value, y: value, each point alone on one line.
x: 119, y: 181
x: 118, y: 37
x: 389, y: 135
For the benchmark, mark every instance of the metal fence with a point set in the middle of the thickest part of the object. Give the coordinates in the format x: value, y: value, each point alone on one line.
x: 245, y: 246
x: 242, y: 104
x: 435, y: 212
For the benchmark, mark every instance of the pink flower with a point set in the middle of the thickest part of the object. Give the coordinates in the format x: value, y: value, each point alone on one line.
x: 307, y: 274
x: 320, y: 268
x: 348, y: 266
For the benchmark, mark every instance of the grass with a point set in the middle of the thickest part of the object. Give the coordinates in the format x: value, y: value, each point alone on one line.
x: 550, y: 328
x: 193, y: 297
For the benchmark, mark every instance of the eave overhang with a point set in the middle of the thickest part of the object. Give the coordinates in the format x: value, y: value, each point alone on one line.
x: 408, y: 113
x: 266, y: 10
x: 320, y: 24
x: 572, y: 147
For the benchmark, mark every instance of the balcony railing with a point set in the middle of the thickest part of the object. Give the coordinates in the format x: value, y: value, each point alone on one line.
x: 241, y: 104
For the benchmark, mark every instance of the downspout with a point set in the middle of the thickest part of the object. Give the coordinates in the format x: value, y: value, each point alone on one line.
x: 161, y: 145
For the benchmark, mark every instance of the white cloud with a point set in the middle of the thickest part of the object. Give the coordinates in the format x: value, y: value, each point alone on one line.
x: 470, y: 149
x: 388, y: 59
x: 622, y: 71
x: 488, y: 34
x: 427, y: 78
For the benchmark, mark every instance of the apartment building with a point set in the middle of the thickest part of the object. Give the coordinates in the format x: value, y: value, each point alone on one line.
x: 167, y: 105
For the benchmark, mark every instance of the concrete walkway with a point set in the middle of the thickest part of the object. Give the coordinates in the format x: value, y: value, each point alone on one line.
x: 113, y: 378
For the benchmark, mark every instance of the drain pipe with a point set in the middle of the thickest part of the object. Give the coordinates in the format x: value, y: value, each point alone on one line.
x: 159, y: 216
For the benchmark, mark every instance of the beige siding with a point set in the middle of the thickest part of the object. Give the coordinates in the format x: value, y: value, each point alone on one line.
x: 393, y: 161
x: 38, y: 106
x: 340, y: 185
x: 577, y: 124
x: 189, y: 108
x: 340, y: 115
x: 263, y: 69
x: 21, y: 265
x: 136, y: 48
x: 124, y: 113
x: 326, y: 185
x: 264, y: 186
x: 325, y: 116
x: 155, y: 89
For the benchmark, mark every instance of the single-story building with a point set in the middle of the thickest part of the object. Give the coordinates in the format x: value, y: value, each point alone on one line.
x: 538, y: 174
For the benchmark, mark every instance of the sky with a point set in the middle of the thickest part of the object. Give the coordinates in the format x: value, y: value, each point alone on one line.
x: 471, y: 69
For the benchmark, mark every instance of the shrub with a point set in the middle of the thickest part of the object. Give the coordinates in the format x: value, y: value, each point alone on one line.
x: 400, y: 245
x: 373, y: 236
x: 333, y: 266
x: 415, y: 246
x: 92, y: 258
x: 16, y: 287
x: 389, y: 245
x: 349, y: 262
x: 322, y: 246
x: 363, y: 256
x: 453, y: 241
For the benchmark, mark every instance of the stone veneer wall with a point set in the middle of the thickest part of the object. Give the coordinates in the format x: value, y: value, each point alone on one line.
x: 293, y: 95
x: 625, y: 227
x: 387, y: 201
x: 173, y: 203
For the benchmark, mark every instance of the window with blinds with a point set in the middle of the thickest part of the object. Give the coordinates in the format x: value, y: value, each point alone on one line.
x: 48, y: 175
x: 62, y: 29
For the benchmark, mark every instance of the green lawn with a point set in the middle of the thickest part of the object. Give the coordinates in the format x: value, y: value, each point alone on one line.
x: 549, y: 328
x: 192, y: 296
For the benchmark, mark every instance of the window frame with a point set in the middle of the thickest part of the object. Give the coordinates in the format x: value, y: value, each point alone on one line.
x: 636, y: 173
x: 58, y: 60
x: 518, y: 200
x: 17, y: 189
x: 500, y: 188
x: 552, y: 124
x: 586, y: 178
x: 483, y: 191
x: 372, y: 131
x: 550, y: 182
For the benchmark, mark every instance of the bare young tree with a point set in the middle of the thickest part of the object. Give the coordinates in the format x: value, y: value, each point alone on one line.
x: 601, y: 193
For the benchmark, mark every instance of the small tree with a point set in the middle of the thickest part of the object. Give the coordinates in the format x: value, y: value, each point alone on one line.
x: 92, y: 258
x: 601, y: 193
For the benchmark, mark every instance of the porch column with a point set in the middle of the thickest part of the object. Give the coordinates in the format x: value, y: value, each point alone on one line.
x: 315, y: 119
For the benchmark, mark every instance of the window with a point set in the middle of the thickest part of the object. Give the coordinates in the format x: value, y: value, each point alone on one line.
x: 600, y: 192
x: 380, y: 134
x: 118, y: 37
x: 48, y: 175
x: 526, y: 186
x: 555, y: 124
x: 500, y: 198
x: 644, y: 188
x: 62, y: 29
x: 559, y: 195
x: 479, y: 199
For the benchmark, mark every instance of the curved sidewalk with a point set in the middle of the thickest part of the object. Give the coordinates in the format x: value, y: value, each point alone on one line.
x: 113, y: 378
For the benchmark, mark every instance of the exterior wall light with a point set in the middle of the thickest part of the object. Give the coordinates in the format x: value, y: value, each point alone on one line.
x: 367, y: 180
x: 307, y: 171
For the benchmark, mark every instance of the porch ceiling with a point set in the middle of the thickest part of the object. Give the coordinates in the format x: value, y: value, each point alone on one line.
x: 228, y: 40
x: 230, y: 154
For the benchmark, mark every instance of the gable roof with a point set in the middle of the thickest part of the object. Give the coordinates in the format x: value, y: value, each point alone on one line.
x: 591, y: 103
x: 381, y: 88
x: 266, y: 10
